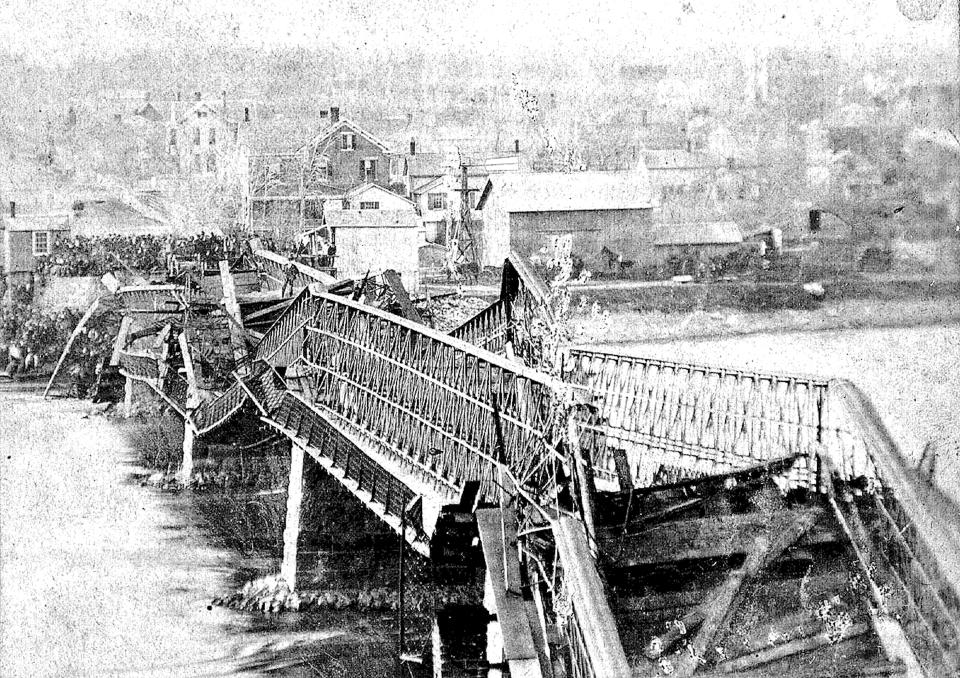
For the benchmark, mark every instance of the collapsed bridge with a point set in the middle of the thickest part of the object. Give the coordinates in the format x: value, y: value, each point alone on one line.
x: 592, y: 477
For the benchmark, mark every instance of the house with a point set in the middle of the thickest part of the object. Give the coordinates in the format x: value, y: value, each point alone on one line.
x: 285, y: 193
x: 345, y: 155
x: 696, y: 187
x: 440, y: 201
x: 373, y: 240
x: 202, y: 138
x: 29, y: 239
x: 524, y: 211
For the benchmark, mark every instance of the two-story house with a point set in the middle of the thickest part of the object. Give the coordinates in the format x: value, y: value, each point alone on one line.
x: 203, y: 137
x: 347, y: 155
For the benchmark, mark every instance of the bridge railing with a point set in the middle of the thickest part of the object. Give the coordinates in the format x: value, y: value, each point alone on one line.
x: 669, y: 420
x: 447, y: 408
x: 487, y: 329
x: 281, y: 344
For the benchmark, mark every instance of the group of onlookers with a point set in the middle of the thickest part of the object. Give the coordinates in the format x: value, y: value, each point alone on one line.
x: 81, y: 255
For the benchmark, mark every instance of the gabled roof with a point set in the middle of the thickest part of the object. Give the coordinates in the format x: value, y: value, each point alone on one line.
x: 573, y: 191
x: 699, y: 233
x: 346, y: 122
x: 474, y: 183
x: 214, y: 107
x: 362, y: 189
x: 372, y: 219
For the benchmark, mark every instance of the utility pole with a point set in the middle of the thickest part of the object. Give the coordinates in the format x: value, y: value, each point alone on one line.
x: 464, y: 233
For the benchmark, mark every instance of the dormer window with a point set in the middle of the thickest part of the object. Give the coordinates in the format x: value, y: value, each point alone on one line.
x: 348, y: 141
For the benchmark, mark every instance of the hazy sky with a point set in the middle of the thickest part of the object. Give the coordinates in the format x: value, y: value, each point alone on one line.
x: 59, y: 30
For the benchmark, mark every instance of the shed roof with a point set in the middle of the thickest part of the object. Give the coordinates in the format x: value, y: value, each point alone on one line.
x: 699, y: 233
x: 372, y: 219
x: 573, y: 191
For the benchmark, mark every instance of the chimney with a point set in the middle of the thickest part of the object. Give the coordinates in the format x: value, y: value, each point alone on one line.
x: 246, y: 114
x: 223, y: 96
x: 334, y: 114
x: 13, y: 210
x: 179, y: 96
x: 413, y: 147
x: 516, y: 146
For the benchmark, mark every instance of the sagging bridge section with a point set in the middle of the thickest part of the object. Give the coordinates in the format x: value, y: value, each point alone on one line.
x: 413, y: 421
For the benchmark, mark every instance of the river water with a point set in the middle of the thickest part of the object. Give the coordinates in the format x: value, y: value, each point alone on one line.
x: 100, y: 576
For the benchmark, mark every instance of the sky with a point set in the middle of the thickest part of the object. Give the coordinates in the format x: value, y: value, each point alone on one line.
x: 58, y: 31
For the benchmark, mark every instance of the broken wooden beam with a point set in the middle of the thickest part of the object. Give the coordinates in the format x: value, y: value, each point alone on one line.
x: 847, y: 670
x: 775, y: 537
x: 791, y: 648
x: 407, y: 309
x: 700, y: 538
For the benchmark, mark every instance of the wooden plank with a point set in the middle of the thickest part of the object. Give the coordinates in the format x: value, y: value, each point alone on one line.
x: 409, y: 311
x: 848, y: 670
x: 72, y: 338
x: 710, y: 537
x: 498, y: 539
x: 597, y: 626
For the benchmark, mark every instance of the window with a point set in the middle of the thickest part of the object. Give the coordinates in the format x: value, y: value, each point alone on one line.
x: 368, y: 169
x: 394, y: 167
x: 172, y: 137
x: 322, y: 171
x: 436, y: 201
x: 472, y: 199
x: 348, y: 141
x: 196, y: 136
x: 213, y: 136
x: 372, y: 205
x: 41, y: 243
x: 211, y: 163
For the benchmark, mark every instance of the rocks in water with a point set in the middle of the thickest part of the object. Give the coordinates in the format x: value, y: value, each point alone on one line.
x: 271, y: 595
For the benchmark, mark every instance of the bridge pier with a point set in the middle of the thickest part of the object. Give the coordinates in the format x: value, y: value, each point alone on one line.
x: 186, y: 464
x: 291, y: 531
x: 128, y: 398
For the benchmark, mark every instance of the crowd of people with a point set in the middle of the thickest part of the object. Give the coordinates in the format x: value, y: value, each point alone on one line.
x: 31, y: 340
x: 81, y: 255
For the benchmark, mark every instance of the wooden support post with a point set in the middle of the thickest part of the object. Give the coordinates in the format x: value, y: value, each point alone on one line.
x: 232, y: 307
x: 128, y: 398
x: 193, y: 399
x: 186, y: 465
x: 121, y: 339
x: 291, y: 532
